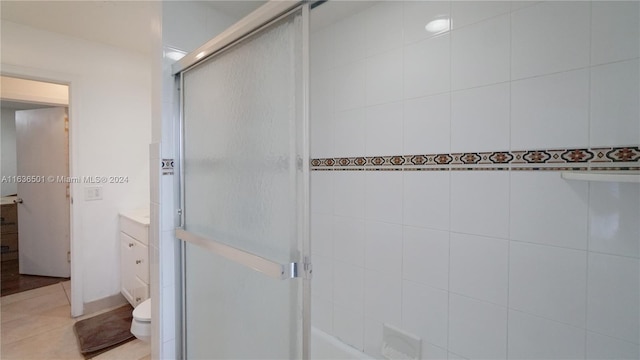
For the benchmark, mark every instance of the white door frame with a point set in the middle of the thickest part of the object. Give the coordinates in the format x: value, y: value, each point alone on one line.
x: 74, y: 81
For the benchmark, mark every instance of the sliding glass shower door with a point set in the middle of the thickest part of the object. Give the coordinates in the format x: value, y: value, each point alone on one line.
x: 245, y: 197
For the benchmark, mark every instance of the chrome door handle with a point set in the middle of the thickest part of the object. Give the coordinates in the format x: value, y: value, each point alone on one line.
x: 18, y: 201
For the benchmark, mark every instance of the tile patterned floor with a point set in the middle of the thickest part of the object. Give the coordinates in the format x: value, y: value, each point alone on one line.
x: 36, y: 324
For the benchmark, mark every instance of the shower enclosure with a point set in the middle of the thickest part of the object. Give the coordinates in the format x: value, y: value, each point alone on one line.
x: 244, y: 174
x: 426, y: 149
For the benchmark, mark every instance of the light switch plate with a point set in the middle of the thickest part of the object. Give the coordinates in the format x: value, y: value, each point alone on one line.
x: 92, y: 193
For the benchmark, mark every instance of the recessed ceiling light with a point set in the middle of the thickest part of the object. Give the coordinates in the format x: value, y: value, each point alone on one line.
x: 438, y: 25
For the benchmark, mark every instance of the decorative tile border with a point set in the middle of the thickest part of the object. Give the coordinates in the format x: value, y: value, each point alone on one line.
x: 557, y: 159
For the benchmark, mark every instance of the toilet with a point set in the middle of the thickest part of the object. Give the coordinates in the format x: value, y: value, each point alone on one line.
x: 141, y: 323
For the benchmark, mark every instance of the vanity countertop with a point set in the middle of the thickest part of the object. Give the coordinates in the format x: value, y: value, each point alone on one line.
x: 6, y: 200
x: 140, y: 216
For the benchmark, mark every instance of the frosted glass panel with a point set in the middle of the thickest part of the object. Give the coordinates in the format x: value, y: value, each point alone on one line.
x: 243, y: 180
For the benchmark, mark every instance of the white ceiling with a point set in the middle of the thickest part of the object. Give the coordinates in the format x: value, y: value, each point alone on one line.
x: 123, y: 23
x: 126, y: 24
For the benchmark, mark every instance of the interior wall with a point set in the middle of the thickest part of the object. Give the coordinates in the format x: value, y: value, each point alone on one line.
x: 9, y: 159
x: 471, y: 240
x: 110, y: 119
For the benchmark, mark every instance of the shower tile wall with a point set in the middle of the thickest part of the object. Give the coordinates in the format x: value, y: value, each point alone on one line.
x: 478, y: 263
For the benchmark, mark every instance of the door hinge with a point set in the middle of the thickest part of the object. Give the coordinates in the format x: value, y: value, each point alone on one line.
x: 69, y: 257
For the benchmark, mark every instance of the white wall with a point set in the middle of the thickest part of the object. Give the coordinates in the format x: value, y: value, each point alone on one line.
x: 8, y: 141
x: 185, y: 26
x: 479, y: 264
x: 110, y: 119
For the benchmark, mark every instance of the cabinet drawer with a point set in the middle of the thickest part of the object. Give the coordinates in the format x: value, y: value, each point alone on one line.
x: 9, y: 218
x: 9, y: 246
x: 134, y: 229
x: 140, y: 292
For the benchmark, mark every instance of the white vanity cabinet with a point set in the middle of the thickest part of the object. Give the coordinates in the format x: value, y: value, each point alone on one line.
x: 134, y: 256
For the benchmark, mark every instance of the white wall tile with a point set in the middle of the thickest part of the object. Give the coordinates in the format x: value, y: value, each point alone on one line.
x: 521, y: 4
x: 349, y: 85
x: 453, y: 356
x: 426, y: 257
x: 168, y: 322
x: 417, y: 14
x: 383, y: 297
x: 321, y: 114
x: 349, y: 240
x: 469, y: 12
x: 383, y: 199
x: 322, y: 234
x: 550, y: 111
x: 348, y: 193
x: 614, y: 295
x: 383, y: 27
x: 427, y: 125
x: 424, y: 312
x: 322, y: 314
x: 348, y: 326
x: 480, y: 203
x: 481, y: 53
x: 321, y: 136
x: 349, y: 44
x: 322, y: 284
x: 383, y: 249
x: 348, y: 286
x: 427, y: 67
x: 601, y: 347
x: 547, y: 209
x: 169, y: 349
x: 615, y: 30
x: 480, y: 119
x: 168, y: 259
x: 615, y: 109
x: 154, y: 180
x: 479, y: 267
x: 349, y: 136
x: 167, y: 208
x: 477, y: 330
x: 321, y: 192
x: 432, y: 352
x: 550, y: 37
x: 373, y: 337
x: 154, y: 225
x: 321, y: 53
x: 532, y: 337
x: 548, y: 281
x: 321, y: 92
x: 426, y: 199
x: 614, y: 210
x: 384, y: 77
x: 383, y: 130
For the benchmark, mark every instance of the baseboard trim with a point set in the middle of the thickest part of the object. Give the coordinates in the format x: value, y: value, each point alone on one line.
x: 104, y: 303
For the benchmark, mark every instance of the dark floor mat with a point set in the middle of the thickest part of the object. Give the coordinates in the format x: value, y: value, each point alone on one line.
x: 105, y: 331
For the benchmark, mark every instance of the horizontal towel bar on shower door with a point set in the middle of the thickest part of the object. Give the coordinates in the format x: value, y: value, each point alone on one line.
x: 255, y: 262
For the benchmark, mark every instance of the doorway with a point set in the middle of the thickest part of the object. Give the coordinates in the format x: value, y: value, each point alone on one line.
x: 35, y: 191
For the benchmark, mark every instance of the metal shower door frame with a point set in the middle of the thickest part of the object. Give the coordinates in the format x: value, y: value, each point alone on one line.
x: 254, y: 23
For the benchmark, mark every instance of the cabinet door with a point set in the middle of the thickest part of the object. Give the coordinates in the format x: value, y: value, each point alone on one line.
x: 126, y: 266
x: 140, y: 292
x: 141, y: 263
